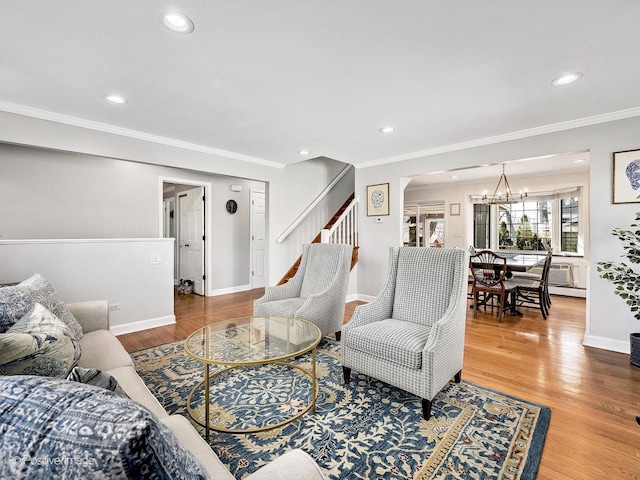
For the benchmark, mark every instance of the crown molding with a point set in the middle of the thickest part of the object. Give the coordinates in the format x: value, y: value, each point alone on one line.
x: 531, y: 132
x: 125, y: 132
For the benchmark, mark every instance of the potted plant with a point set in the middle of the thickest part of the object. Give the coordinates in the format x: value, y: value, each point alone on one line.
x: 625, y: 279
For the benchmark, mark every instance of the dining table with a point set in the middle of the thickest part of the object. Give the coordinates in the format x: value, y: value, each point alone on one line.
x: 516, y: 262
x: 521, y: 262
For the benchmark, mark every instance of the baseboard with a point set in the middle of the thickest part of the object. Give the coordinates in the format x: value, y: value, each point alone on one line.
x: 143, y: 325
x: 365, y: 298
x: 352, y: 298
x: 225, y: 291
x: 568, y: 291
x: 607, y: 344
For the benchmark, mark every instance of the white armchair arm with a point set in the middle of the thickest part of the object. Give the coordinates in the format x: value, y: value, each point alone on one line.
x: 279, y: 292
x: 382, y: 307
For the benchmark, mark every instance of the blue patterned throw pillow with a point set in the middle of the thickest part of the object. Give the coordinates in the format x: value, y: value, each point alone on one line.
x: 16, y: 301
x: 97, y: 378
x: 53, y: 428
x: 38, y: 344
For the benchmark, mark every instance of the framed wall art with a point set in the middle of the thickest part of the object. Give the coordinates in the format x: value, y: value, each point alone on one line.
x: 377, y: 200
x: 626, y: 176
x: 454, y: 209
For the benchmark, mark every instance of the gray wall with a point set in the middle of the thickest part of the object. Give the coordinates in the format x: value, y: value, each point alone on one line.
x: 64, y: 195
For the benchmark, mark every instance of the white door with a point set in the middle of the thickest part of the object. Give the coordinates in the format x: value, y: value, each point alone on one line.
x: 258, y: 240
x: 191, y: 237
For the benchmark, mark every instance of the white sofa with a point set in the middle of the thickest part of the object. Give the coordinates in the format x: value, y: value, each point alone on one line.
x: 102, y: 350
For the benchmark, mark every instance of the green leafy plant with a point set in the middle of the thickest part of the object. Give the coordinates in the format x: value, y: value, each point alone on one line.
x: 625, y: 279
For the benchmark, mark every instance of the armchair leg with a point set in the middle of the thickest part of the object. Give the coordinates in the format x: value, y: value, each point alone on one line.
x: 458, y: 377
x: 426, y: 409
x: 338, y: 335
x: 346, y: 372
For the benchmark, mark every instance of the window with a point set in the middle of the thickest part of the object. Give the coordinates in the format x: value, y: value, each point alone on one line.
x: 569, y: 224
x: 541, y: 222
x: 481, y: 226
x: 525, y: 226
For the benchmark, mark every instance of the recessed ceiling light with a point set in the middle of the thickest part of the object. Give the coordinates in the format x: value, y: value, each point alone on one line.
x: 387, y: 130
x: 453, y: 177
x: 568, y: 78
x: 115, y: 98
x: 177, y: 22
x: 303, y: 152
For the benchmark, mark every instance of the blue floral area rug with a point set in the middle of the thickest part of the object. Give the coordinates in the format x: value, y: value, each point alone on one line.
x: 364, y: 430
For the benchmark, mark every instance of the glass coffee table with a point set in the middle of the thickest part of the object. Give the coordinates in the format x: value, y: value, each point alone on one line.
x: 239, y: 348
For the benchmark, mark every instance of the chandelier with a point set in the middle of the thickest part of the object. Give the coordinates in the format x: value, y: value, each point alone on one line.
x: 500, y: 198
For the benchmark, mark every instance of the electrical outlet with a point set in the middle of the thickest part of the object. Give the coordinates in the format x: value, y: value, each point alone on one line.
x: 114, y: 306
x: 156, y: 258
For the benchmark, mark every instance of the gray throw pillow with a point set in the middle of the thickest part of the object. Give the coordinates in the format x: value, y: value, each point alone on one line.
x: 97, y: 378
x: 38, y: 344
x: 18, y: 300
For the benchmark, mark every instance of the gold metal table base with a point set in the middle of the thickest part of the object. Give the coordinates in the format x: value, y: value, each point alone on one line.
x: 207, y: 424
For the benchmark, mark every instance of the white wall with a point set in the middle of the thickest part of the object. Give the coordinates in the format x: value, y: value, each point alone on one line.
x: 118, y: 270
x: 609, y: 322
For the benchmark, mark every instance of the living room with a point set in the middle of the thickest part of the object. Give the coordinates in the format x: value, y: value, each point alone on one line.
x: 114, y: 157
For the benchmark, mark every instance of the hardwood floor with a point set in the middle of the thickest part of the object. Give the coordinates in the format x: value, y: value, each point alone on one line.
x: 594, y: 394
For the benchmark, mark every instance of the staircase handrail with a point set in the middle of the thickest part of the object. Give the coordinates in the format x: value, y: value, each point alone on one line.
x: 312, y: 205
x: 347, y: 214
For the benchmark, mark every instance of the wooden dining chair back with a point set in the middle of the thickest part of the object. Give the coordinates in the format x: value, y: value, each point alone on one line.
x: 534, y: 293
x: 489, y: 270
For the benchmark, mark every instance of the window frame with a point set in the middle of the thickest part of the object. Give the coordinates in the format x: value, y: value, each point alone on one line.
x: 555, y: 224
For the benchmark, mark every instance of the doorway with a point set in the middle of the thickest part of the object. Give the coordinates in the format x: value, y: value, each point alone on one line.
x: 184, y: 207
x: 258, y: 239
x: 191, y: 236
x: 423, y: 225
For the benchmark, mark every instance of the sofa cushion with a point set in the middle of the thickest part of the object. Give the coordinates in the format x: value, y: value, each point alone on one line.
x: 193, y: 442
x: 136, y: 390
x: 293, y: 465
x: 102, y: 350
x: 97, y: 378
x: 394, y: 340
x: 16, y: 301
x: 38, y: 344
x: 53, y: 428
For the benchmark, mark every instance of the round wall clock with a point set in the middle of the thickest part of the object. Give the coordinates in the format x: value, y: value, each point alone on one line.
x: 232, y: 206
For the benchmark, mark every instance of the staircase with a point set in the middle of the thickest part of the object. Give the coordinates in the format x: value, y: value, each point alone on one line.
x: 340, y: 229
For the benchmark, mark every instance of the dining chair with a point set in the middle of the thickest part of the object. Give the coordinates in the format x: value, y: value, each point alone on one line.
x: 534, y: 292
x: 489, y: 272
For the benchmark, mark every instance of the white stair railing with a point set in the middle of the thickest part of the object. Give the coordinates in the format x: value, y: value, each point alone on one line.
x: 345, y: 229
x: 313, y: 204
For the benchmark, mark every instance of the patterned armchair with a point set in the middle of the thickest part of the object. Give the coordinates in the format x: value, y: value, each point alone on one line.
x: 318, y: 290
x: 412, y: 335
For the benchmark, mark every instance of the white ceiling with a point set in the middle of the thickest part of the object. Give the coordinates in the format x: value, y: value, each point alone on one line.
x: 264, y: 79
x: 517, y: 168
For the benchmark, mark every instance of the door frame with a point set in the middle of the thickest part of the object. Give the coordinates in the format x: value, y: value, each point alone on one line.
x: 208, y: 190
x: 266, y: 242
